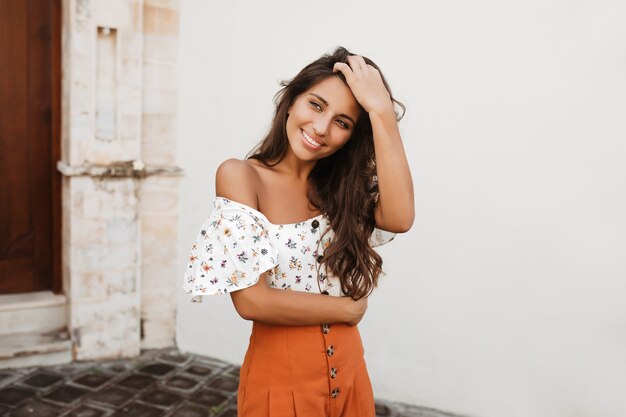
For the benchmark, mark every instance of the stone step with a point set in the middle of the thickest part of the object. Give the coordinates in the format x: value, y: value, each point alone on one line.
x: 32, y: 312
x: 35, y: 349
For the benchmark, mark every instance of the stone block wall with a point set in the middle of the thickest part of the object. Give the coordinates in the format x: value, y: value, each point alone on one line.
x: 120, y: 191
x: 158, y: 195
x: 158, y: 207
x: 102, y: 262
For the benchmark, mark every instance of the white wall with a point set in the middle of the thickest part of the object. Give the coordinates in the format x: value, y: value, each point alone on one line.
x: 507, y: 296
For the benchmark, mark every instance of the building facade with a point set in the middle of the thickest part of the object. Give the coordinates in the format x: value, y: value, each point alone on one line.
x: 114, y: 209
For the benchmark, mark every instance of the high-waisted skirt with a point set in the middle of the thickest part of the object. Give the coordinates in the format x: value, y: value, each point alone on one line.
x: 305, y: 371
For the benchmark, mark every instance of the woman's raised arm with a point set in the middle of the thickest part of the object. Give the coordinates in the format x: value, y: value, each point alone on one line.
x: 395, y: 210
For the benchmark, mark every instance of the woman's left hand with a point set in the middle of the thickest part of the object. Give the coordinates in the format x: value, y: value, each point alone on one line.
x: 366, y: 84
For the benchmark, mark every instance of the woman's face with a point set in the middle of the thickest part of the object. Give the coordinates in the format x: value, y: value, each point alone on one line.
x: 321, y: 119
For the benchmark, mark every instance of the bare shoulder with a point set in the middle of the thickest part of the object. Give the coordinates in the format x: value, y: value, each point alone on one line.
x: 237, y: 180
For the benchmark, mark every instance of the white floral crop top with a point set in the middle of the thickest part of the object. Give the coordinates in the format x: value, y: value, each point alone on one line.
x: 237, y: 243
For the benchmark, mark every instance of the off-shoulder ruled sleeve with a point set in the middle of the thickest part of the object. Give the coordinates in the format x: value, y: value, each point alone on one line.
x: 230, y: 252
x: 380, y: 237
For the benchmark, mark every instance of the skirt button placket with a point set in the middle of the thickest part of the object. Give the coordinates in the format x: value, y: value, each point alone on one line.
x: 330, y: 351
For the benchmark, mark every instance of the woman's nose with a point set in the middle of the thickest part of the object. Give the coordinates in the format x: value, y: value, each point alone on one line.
x: 321, y: 126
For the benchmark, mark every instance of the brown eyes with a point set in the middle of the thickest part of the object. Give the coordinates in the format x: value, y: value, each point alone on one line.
x: 315, y: 105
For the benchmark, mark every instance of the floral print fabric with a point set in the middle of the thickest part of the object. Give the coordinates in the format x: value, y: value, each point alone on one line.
x: 237, y: 244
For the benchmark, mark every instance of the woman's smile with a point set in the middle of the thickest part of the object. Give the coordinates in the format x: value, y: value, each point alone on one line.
x: 312, y: 143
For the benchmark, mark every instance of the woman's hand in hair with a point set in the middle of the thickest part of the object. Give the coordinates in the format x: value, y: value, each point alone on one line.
x: 395, y: 210
x: 366, y: 84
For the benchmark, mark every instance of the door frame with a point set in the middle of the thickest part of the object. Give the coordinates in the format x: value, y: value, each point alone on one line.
x: 56, y: 185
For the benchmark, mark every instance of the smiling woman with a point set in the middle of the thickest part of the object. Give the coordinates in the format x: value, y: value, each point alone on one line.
x: 303, y: 213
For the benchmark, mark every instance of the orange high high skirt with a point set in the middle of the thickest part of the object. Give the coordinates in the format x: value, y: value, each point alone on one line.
x: 305, y: 371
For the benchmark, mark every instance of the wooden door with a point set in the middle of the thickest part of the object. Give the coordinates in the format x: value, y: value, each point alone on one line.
x: 29, y: 145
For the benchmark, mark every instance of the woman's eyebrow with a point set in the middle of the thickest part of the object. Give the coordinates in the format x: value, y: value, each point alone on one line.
x: 320, y: 99
x: 326, y: 104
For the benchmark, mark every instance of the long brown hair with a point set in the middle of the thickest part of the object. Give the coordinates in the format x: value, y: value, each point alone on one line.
x: 343, y: 185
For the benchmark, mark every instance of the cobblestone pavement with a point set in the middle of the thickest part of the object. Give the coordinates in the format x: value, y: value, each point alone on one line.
x: 157, y: 383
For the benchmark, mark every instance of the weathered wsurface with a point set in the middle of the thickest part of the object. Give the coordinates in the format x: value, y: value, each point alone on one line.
x: 120, y: 179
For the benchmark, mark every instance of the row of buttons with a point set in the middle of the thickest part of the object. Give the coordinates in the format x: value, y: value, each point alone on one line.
x: 315, y: 224
x: 330, y: 350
